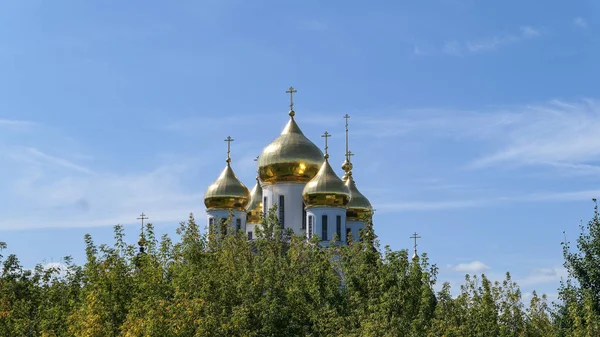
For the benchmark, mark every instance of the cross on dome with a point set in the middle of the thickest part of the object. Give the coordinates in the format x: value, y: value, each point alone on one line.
x: 415, y: 236
x: 326, y: 135
x: 291, y: 91
x: 346, y: 117
x: 229, y: 140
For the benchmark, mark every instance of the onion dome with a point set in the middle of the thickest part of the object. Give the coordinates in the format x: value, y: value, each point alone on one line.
x: 227, y: 192
x: 326, y: 188
x: 255, y: 208
x: 359, y: 206
x: 347, y: 167
x: 291, y: 157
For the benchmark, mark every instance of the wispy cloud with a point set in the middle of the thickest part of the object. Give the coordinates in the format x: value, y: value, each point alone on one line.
x: 501, y: 40
x: 102, y: 199
x: 491, y: 43
x: 51, y: 189
x: 470, y: 267
x: 580, y: 22
x: 419, y: 206
x: 560, y: 134
x: 15, y: 124
x: 56, y: 160
x: 541, y: 276
x: 452, y: 48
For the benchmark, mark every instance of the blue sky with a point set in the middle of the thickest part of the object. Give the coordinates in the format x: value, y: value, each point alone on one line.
x: 476, y: 124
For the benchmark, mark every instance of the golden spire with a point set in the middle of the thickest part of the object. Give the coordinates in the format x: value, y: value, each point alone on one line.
x: 291, y: 91
x: 346, y: 117
x: 347, y: 164
x: 326, y: 135
x: 229, y: 140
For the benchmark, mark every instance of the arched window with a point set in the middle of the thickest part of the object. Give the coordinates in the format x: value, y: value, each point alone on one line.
x: 281, y: 211
x: 310, y: 226
x: 324, y: 228
x: 338, y: 227
x: 265, y: 207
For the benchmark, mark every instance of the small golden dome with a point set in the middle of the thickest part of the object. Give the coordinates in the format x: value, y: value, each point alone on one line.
x: 326, y: 189
x: 255, y: 208
x: 291, y: 157
x: 227, y: 192
x: 347, y: 167
x: 359, y: 205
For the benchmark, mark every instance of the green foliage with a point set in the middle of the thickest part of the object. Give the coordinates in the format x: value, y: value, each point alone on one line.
x: 578, y: 314
x: 276, y: 285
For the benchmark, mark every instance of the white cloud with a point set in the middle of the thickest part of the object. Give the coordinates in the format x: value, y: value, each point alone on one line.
x: 470, y: 267
x: 43, y: 190
x: 495, y: 42
x: 14, y: 124
x: 580, y: 22
x: 419, y: 206
x: 452, y: 48
x: 560, y: 134
x: 491, y: 43
x: 421, y: 51
x: 542, y: 276
x: 33, y: 152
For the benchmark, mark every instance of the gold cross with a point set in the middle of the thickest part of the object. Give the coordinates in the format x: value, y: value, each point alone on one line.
x: 326, y: 135
x: 350, y: 154
x: 229, y: 140
x: 415, y: 236
x: 346, y: 117
x: 143, y: 217
x: 291, y: 91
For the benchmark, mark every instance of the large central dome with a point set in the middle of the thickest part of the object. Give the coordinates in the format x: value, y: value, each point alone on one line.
x: 291, y: 157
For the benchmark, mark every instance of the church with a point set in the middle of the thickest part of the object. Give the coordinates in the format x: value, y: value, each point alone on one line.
x: 296, y: 178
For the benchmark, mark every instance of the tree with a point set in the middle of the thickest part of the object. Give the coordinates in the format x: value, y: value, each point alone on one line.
x: 579, y: 310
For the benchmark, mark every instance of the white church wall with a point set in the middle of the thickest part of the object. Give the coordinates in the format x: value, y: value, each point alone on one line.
x: 251, y: 230
x: 238, y: 219
x: 332, y: 214
x: 355, y: 227
x: 293, y: 204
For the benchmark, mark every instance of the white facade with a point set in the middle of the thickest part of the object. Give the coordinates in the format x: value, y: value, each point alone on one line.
x: 215, y: 216
x: 251, y: 230
x: 293, y: 204
x: 355, y: 227
x: 335, y: 219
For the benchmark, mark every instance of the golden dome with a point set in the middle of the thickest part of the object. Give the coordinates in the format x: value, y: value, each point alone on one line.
x: 291, y: 157
x: 326, y: 189
x: 359, y: 205
x: 227, y: 192
x: 255, y: 208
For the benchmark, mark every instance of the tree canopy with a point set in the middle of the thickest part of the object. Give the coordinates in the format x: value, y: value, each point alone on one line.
x: 280, y: 285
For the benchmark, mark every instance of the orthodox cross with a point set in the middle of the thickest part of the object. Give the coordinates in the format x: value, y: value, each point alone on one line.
x: 143, y: 217
x: 326, y: 135
x: 415, y: 236
x: 346, y: 117
x: 229, y: 140
x: 291, y: 91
